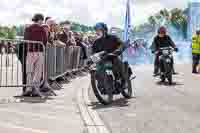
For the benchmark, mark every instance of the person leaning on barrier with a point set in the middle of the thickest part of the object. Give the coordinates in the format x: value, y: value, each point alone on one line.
x: 79, y: 42
x: 66, y: 36
x: 195, y: 51
x: 1, y: 47
x: 52, y: 33
x: 35, y: 57
x: 51, y: 30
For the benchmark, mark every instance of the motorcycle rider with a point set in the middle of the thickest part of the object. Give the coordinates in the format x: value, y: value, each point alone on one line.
x: 161, y: 40
x: 108, y: 43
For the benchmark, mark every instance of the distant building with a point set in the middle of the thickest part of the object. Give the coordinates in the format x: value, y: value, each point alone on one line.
x: 193, y: 17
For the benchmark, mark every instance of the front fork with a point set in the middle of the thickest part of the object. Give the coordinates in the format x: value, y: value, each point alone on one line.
x: 168, y: 66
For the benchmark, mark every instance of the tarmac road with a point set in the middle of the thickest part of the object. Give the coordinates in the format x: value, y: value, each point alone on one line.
x: 157, y: 108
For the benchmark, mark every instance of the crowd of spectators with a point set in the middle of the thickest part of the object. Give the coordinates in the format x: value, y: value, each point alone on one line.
x: 48, y: 31
x: 51, y: 34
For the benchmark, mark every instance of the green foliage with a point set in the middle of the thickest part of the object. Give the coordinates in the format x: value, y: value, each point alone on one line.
x: 77, y: 27
x: 12, y: 33
x: 7, y: 32
x: 176, y: 18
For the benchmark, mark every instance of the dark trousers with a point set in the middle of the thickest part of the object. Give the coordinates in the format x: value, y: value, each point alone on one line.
x: 118, y: 66
x: 195, y: 63
x: 22, y: 53
x: 24, y: 74
x: 156, y: 64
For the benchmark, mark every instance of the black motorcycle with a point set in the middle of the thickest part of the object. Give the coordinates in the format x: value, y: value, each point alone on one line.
x: 166, y: 63
x: 105, y: 81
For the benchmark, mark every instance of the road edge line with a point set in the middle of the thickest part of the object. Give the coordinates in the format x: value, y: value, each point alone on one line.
x: 90, y: 117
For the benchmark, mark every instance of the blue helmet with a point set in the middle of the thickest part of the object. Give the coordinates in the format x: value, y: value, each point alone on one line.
x: 102, y: 26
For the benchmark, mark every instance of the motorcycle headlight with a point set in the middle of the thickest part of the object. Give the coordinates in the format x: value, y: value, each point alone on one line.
x: 168, y: 60
x: 95, y: 58
x: 165, y: 52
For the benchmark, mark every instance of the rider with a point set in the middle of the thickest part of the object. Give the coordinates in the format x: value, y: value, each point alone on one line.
x: 108, y: 43
x: 162, y: 40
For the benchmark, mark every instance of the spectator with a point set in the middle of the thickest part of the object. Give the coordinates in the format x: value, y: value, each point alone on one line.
x: 79, y: 42
x: 91, y: 39
x: 86, y: 40
x: 1, y: 47
x: 46, y: 19
x: 8, y: 48
x: 53, y: 33
x: 52, y: 27
x: 35, y: 57
x: 66, y: 36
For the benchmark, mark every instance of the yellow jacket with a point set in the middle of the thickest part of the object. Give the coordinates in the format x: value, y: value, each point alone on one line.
x: 196, y: 44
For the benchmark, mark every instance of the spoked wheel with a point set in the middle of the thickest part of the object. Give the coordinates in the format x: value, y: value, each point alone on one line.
x: 169, y: 73
x: 169, y: 78
x: 127, y: 90
x: 104, y: 93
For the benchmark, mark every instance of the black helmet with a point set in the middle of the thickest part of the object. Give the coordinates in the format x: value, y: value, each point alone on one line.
x: 101, y: 26
x: 38, y: 17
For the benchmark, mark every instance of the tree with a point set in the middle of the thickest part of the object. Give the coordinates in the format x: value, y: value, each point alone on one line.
x: 165, y: 13
x: 152, y: 20
x: 12, y: 33
x: 179, y: 20
x: 176, y: 18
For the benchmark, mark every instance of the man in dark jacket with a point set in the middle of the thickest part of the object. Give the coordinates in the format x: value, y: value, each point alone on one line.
x: 108, y: 43
x: 160, y: 41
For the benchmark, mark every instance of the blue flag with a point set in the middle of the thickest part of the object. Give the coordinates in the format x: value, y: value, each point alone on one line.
x: 127, y: 24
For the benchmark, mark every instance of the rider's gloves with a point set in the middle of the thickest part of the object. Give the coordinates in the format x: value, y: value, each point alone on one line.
x: 176, y: 49
x: 89, y: 62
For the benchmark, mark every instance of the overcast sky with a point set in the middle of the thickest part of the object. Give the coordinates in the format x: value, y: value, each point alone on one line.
x: 84, y: 11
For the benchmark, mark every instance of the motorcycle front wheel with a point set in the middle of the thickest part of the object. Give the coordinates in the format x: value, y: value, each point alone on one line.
x: 169, y: 73
x: 127, y: 90
x: 105, y: 93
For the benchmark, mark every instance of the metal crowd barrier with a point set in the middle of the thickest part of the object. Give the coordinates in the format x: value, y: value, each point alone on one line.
x: 58, y: 62
x: 62, y: 61
x: 13, y: 65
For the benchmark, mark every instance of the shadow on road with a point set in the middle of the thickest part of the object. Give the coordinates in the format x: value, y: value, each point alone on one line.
x: 167, y: 84
x: 122, y: 102
x: 32, y: 99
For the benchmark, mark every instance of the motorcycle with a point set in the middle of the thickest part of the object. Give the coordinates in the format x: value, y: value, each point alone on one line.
x: 166, y: 63
x: 105, y: 82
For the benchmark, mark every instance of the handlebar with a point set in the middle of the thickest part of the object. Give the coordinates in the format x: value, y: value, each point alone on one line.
x: 165, y: 48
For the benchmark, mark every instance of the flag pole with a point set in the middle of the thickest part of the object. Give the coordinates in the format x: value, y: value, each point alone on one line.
x: 127, y: 25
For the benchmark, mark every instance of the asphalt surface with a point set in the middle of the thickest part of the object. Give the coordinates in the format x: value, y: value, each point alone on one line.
x: 157, y: 108
x: 58, y: 114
